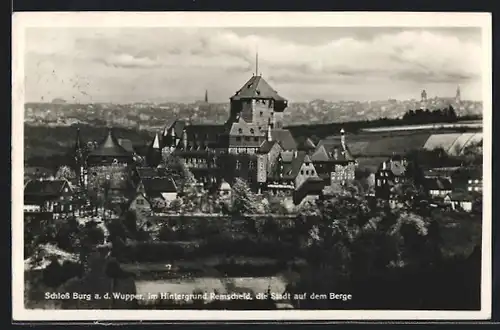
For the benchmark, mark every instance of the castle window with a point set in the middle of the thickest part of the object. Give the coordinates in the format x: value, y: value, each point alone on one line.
x: 252, y: 130
x: 256, y: 139
x: 238, y: 165
x: 238, y: 138
x: 302, y: 172
x: 247, y: 138
x: 240, y: 130
x: 307, y: 172
x: 261, y: 113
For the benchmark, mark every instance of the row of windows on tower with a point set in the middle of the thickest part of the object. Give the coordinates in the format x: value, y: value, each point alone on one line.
x: 247, y: 138
x: 312, y: 172
x: 244, y: 150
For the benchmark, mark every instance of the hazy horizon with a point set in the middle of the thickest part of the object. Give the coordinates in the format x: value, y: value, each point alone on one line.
x: 133, y: 65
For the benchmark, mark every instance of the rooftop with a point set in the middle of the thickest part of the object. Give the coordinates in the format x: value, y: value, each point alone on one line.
x: 257, y: 88
x: 110, y: 147
x: 45, y: 187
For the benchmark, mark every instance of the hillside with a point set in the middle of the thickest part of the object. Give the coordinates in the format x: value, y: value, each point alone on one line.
x: 148, y: 116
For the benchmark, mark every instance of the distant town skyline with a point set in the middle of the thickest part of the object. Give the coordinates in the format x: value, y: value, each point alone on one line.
x: 130, y: 65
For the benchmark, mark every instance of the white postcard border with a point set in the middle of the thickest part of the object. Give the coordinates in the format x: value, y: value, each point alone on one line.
x: 250, y: 19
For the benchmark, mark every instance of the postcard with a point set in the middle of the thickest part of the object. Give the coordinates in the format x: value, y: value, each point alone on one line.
x: 251, y: 166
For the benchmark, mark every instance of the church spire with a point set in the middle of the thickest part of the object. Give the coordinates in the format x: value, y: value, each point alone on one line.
x: 206, y: 96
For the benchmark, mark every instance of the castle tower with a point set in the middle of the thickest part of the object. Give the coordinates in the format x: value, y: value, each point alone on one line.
x: 256, y: 101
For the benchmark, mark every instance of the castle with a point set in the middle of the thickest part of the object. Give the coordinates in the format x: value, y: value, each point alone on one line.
x: 252, y: 145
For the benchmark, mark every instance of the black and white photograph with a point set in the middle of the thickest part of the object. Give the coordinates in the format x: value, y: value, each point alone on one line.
x: 251, y: 166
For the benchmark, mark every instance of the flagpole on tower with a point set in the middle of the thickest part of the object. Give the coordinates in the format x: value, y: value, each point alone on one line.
x: 257, y: 62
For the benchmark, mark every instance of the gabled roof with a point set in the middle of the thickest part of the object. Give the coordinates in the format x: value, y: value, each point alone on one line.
x: 178, y: 127
x: 241, y: 127
x: 461, y: 196
x: 438, y: 184
x: 45, y: 187
x: 285, y: 138
x: 286, y: 156
x: 320, y: 155
x: 127, y: 145
x: 110, y: 147
x: 311, y: 186
x: 332, y: 152
x: 291, y: 170
x: 266, y: 146
x: 148, y: 172
x: 257, y: 88
x: 306, y: 145
x: 159, y: 185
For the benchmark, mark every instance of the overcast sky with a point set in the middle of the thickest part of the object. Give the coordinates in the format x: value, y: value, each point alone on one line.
x: 302, y: 64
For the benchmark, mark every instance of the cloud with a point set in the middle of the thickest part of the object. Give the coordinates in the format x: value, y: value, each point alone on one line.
x: 416, y: 56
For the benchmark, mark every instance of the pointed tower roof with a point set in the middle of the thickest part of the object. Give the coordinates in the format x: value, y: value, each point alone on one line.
x: 110, y: 147
x: 257, y: 88
x: 156, y: 142
x: 306, y: 145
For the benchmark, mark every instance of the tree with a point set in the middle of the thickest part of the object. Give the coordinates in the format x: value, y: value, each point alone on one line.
x: 244, y: 200
x: 175, y: 205
x: 473, y: 154
x: 65, y: 173
x: 158, y: 204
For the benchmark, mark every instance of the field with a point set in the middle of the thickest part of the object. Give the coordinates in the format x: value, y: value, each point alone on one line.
x: 466, y: 124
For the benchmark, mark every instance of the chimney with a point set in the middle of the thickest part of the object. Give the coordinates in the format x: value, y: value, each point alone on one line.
x: 336, y: 154
x: 269, y: 127
x: 172, y: 137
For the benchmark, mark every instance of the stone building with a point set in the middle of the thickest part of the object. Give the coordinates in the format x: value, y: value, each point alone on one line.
x: 390, y: 173
x: 224, y: 152
x: 334, y: 161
